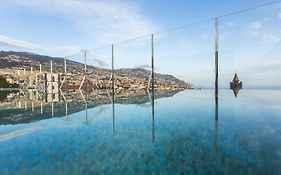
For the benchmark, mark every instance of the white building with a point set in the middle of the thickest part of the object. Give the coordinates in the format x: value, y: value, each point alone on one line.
x: 52, y: 83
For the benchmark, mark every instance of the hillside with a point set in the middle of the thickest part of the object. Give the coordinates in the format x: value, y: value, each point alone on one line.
x: 125, y: 77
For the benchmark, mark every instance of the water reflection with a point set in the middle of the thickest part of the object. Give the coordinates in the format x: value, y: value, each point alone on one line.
x: 30, y: 106
x: 113, y: 110
x: 152, y: 111
x: 84, y: 98
x: 216, y: 117
x: 112, y: 99
x: 235, y: 91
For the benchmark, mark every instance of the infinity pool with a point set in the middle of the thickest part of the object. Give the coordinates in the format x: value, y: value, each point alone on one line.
x: 186, y: 133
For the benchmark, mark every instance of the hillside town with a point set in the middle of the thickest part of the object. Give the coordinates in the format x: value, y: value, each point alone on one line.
x: 51, y: 76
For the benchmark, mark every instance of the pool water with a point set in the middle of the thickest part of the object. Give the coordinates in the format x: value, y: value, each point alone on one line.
x: 182, y: 134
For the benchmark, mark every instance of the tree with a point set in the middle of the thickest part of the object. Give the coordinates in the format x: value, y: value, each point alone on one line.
x: 5, y: 84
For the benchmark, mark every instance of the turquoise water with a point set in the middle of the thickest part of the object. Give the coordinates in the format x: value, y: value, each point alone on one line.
x: 185, y: 136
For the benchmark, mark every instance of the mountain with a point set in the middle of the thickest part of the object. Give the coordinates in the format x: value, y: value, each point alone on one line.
x: 11, y: 59
x: 126, y: 78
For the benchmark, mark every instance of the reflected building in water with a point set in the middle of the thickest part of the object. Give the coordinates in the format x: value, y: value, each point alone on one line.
x: 51, y: 87
x: 33, y: 105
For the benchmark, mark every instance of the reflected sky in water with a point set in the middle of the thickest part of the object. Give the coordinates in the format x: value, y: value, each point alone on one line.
x: 183, y: 137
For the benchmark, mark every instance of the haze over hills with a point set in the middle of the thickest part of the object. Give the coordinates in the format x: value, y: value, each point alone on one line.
x: 20, y: 60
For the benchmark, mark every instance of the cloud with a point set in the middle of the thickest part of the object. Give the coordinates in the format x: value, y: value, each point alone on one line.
x: 260, y: 69
x: 230, y: 24
x: 100, y: 62
x: 107, y: 21
x: 145, y: 66
x: 270, y: 38
x: 17, y: 43
x: 279, y: 15
x: 65, y: 50
x: 255, y: 25
x: 263, y: 34
x: 266, y: 37
x: 31, y: 47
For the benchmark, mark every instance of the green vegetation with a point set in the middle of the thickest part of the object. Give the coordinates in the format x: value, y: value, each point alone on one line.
x: 5, y: 84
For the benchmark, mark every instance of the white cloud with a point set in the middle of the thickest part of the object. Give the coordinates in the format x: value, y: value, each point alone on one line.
x: 17, y: 43
x: 230, y: 24
x: 144, y: 66
x: 59, y: 50
x: 279, y: 15
x: 255, y: 25
x: 270, y: 38
x: 107, y: 21
x: 31, y: 47
x: 265, y: 37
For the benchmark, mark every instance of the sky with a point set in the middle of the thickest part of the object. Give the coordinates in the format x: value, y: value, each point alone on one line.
x: 249, y: 42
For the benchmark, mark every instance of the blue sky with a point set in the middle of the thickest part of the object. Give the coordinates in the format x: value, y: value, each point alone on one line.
x: 60, y: 28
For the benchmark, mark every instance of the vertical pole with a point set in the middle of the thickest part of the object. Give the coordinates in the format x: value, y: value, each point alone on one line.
x: 65, y: 65
x: 53, y: 108
x: 66, y: 110
x: 18, y: 77
x: 31, y: 76
x: 65, y: 72
x: 86, y: 77
x: 113, y: 90
x: 85, y: 61
x: 25, y: 105
x: 86, y: 111
x: 41, y: 106
x: 216, y: 80
x: 152, y: 63
x: 112, y: 67
x: 152, y: 76
x: 51, y: 66
x: 32, y: 105
x: 216, y: 55
x: 36, y: 82
x: 40, y: 76
x: 85, y: 69
x: 24, y: 73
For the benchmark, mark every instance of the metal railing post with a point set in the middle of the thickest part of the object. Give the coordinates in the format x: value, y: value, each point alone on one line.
x: 216, y: 55
x: 152, y: 77
x: 113, y: 90
x: 112, y: 69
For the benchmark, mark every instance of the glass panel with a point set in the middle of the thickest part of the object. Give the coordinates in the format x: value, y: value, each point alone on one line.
x: 133, y: 66
x: 132, y: 76
x: 187, y: 53
x: 250, y: 47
